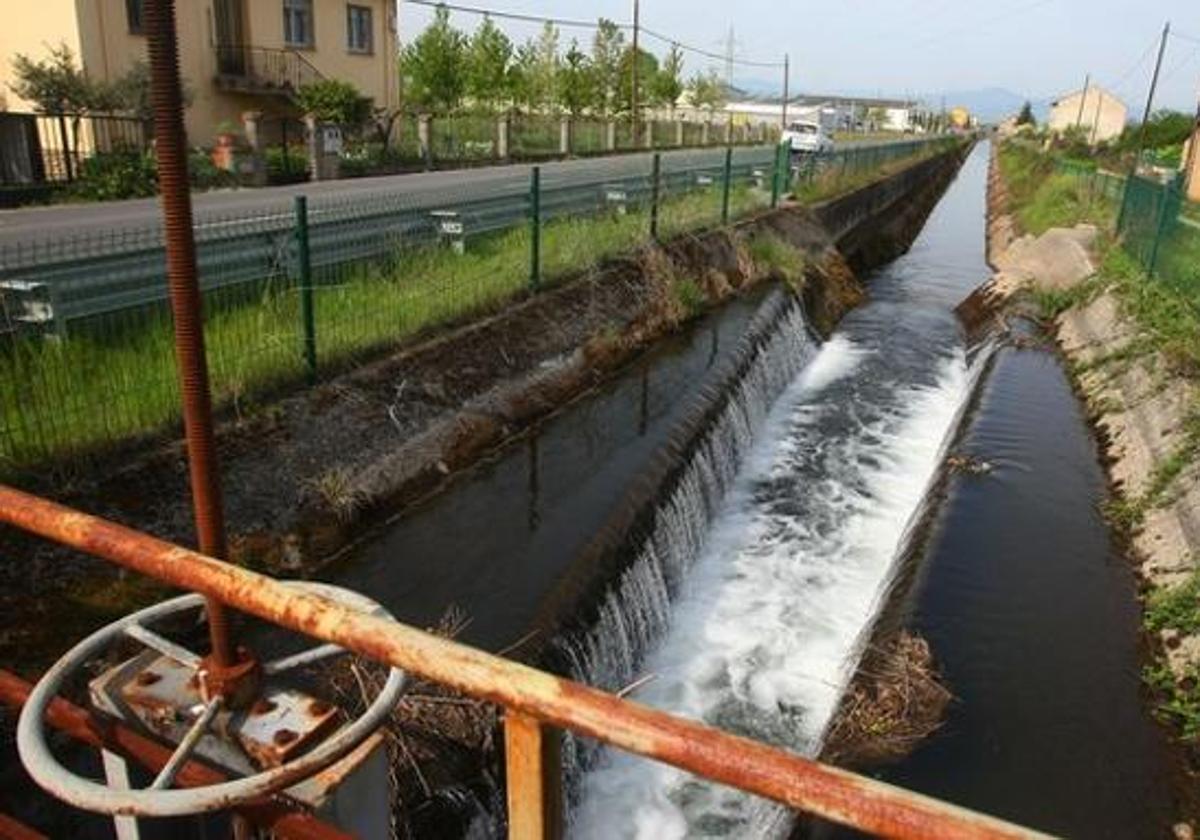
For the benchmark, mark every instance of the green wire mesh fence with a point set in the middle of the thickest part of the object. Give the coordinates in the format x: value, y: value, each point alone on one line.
x: 1155, y: 223
x: 300, y: 291
x: 1160, y: 230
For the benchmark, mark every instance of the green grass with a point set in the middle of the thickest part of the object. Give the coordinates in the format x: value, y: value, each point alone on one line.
x: 65, y: 397
x: 1044, y: 197
x: 836, y: 180
x: 780, y: 257
x: 1177, y: 700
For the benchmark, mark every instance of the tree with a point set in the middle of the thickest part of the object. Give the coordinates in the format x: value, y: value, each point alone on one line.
x: 707, y: 91
x: 576, y: 82
x: 607, y: 48
x: 667, y: 85
x: 55, y: 85
x: 488, y: 61
x: 521, y: 76
x: 130, y: 92
x: 431, y: 67
x: 647, y: 70
x: 335, y: 101
x: 544, y: 76
x: 1026, y: 116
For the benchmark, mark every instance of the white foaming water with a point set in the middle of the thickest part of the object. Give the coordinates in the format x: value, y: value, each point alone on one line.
x: 768, y: 622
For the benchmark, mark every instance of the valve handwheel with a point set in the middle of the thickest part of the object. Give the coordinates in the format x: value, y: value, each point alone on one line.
x: 158, y: 800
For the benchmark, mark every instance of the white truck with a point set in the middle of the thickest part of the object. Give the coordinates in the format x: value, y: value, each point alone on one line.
x: 807, y: 138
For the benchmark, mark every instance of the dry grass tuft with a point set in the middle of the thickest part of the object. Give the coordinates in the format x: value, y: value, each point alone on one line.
x: 895, y: 701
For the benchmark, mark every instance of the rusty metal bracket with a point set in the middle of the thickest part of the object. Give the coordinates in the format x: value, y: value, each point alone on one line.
x: 156, y: 801
x: 278, y: 816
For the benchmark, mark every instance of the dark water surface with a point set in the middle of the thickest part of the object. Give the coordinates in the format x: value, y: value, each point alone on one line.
x: 494, y: 544
x: 1030, y: 608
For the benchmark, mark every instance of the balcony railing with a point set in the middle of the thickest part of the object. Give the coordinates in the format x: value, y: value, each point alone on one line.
x: 263, y: 69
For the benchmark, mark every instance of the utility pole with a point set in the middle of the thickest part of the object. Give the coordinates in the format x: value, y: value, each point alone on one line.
x: 730, y: 50
x: 786, y: 73
x: 634, y: 73
x: 1087, y: 80
x: 1141, y: 144
x: 1162, y: 48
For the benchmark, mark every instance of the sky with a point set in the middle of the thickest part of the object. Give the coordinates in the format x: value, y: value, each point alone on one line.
x: 919, y: 48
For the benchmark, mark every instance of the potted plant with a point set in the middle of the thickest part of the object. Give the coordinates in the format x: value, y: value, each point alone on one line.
x: 225, y: 149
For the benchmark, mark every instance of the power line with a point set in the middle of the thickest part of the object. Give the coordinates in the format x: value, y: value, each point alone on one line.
x: 587, y: 24
x: 496, y: 13
x: 709, y: 54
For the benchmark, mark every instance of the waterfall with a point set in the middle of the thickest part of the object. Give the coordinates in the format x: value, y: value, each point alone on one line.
x: 635, y: 611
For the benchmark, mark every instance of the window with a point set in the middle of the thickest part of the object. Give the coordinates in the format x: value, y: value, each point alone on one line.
x: 298, y: 23
x: 134, y: 10
x: 359, y: 32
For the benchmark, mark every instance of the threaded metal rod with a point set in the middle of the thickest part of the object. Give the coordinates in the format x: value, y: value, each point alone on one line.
x: 171, y: 146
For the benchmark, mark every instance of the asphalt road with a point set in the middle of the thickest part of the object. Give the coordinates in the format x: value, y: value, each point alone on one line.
x: 72, y: 222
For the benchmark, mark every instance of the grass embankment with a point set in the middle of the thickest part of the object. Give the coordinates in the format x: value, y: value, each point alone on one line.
x: 70, y: 396
x: 1167, y: 316
x: 834, y: 180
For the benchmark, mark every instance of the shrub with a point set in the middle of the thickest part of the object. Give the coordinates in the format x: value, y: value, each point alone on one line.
x: 286, y: 165
x: 111, y: 176
x: 206, y: 175
x: 335, y: 101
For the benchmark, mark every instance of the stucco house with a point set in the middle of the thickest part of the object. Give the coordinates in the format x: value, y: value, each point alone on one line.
x: 235, y: 55
x: 1096, y: 111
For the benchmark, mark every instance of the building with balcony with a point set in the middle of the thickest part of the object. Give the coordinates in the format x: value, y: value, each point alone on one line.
x: 235, y: 55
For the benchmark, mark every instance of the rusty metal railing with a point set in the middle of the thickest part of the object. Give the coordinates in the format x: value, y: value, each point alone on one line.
x: 536, y: 701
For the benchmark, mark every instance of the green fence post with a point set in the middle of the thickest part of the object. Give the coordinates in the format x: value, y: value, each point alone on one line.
x: 655, y: 173
x: 726, y: 185
x: 307, y: 316
x: 1167, y: 209
x: 535, y: 227
x: 776, y: 178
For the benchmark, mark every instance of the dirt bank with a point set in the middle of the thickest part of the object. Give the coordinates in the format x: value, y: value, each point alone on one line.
x: 1141, y: 398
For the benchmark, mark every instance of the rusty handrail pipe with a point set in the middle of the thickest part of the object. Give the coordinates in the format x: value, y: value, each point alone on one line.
x: 80, y: 725
x: 805, y: 785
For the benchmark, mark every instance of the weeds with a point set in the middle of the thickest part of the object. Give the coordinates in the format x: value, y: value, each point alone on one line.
x: 788, y: 262
x: 1176, y: 608
x: 1177, y: 698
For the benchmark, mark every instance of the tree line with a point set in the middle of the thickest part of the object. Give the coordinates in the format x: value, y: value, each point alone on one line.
x: 444, y: 69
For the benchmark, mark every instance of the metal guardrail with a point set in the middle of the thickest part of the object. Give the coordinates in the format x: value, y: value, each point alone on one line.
x: 535, y: 701
x: 88, y: 276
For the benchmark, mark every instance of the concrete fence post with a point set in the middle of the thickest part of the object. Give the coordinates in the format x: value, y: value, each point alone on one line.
x: 610, y: 136
x: 728, y: 139
x: 678, y: 132
x: 705, y: 132
x: 256, y: 175
x: 324, y: 148
x: 564, y: 136
x: 502, y: 128
x: 425, y: 138
x: 648, y: 137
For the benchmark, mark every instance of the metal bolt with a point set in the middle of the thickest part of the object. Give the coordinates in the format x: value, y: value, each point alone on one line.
x: 319, y: 708
x: 262, y: 707
x: 147, y: 678
x: 284, y: 737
